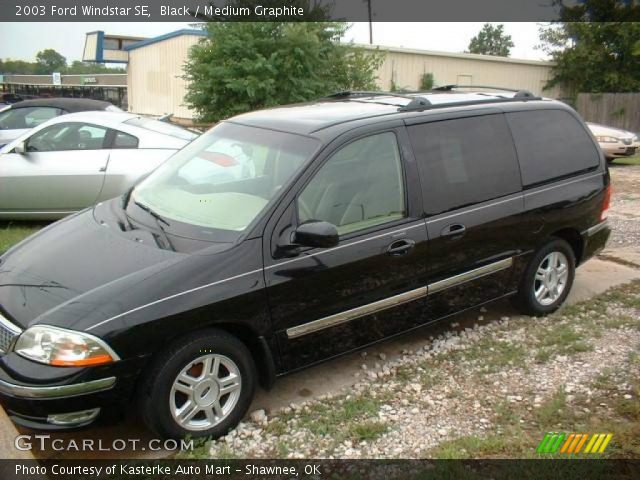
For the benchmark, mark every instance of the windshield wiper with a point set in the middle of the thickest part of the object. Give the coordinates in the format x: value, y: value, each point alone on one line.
x: 155, y: 215
x: 158, y: 219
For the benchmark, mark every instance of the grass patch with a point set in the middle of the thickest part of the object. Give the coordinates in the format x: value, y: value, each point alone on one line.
x: 623, y: 321
x: 605, y: 380
x: 554, y: 412
x: 480, y: 447
x: 635, y: 160
x: 561, y: 339
x: 430, y: 378
x: 327, y: 419
x: 14, y: 232
x: 495, y: 354
x: 366, y: 431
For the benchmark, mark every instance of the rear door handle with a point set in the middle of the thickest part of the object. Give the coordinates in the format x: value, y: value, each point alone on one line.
x: 400, y: 247
x: 454, y: 229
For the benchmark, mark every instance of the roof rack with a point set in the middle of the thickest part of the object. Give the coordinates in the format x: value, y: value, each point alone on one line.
x: 417, y: 102
x: 518, y: 93
x: 413, y: 107
x: 363, y: 93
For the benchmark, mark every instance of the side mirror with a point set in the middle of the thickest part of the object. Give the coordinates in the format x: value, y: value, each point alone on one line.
x: 20, y: 148
x: 316, y: 234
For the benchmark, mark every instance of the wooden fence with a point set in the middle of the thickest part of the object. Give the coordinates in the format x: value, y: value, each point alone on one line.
x: 620, y: 110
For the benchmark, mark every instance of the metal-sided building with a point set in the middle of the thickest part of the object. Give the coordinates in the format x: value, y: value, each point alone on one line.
x: 155, y: 74
x: 156, y: 69
x: 404, y: 69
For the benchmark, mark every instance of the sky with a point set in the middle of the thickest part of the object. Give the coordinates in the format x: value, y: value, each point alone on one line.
x: 21, y: 41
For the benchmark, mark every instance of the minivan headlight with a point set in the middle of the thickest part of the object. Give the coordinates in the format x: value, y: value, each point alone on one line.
x: 63, y: 348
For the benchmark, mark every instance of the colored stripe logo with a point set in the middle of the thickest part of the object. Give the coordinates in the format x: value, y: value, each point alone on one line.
x: 573, y: 443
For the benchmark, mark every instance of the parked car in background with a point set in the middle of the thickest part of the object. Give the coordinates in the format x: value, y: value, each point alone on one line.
x: 73, y: 161
x: 20, y: 117
x: 9, y: 99
x: 339, y: 223
x: 614, y: 142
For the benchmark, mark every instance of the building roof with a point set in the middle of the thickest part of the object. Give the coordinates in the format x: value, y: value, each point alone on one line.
x: 166, y: 36
x: 311, y: 117
x: 67, y: 104
x: 465, y: 56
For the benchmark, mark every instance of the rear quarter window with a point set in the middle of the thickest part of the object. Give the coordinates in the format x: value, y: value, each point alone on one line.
x: 551, y: 144
x: 464, y: 161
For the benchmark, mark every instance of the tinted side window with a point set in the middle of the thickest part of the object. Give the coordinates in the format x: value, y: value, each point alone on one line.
x: 27, y: 117
x: 359, y: 187
x: 124, y: 140
x: 67, y: 136
x: 465, y: 161
x: 551, y: 144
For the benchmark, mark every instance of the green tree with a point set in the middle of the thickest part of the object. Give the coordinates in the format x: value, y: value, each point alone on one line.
x: 491, y: 40
x: 50, y: 61
x: 426, y: 81
x: 17, y: 67
x: 244, y: 66
x: 78, y: 67
x: 593, y: 51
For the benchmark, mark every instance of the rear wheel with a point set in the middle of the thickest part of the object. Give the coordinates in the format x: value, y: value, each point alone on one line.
x: 202, y: 386
x: 547, y: 280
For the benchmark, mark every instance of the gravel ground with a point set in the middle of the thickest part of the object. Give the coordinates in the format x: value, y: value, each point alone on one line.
x: 510, y: 377
x: 624, y: 215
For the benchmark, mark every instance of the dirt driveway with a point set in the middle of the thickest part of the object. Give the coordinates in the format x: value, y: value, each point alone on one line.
x: 619, y: 264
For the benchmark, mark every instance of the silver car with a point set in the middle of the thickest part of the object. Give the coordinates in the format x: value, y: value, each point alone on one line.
x: 76, y: 160
x: 615, y: 142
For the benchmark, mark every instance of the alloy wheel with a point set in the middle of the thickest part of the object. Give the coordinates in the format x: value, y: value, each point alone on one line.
x: 205, y: 392
x: 551, y: 278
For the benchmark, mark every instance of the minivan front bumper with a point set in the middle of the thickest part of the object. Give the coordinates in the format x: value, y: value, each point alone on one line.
x: 55, y: 391
x: 72, y: 402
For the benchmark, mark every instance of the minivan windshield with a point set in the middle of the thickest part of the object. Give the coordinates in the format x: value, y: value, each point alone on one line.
x: 223, y: 179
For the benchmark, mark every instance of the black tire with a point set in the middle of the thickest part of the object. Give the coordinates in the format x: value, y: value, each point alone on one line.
x: 525, y: 300
x: 155, y: 392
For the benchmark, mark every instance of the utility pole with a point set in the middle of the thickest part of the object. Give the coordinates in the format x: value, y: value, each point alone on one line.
x: 370, y: 22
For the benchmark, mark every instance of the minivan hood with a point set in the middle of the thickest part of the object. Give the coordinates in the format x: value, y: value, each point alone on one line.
x: 68, y: 259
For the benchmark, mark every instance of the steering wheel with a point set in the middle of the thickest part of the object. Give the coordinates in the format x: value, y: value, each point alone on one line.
x: 42, y: 145
x: 303, y: 209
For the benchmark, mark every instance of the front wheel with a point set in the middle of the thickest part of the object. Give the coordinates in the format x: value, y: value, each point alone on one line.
x: 202, y: 386
x: 547, y: 280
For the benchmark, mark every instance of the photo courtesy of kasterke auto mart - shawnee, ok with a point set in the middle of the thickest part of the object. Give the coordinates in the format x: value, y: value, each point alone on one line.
x: 319, y: 240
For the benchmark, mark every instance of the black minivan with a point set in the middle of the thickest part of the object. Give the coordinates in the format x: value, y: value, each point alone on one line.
x: 288, y: 236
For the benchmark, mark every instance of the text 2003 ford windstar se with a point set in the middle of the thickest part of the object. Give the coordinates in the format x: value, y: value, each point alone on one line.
x: 288, y: 236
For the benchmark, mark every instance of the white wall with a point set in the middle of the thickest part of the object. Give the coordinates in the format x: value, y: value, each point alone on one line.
x: 154, y: 77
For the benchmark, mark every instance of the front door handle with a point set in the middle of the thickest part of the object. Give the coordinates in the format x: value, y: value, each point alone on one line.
x: 455, y: 229
x: 400, y: 247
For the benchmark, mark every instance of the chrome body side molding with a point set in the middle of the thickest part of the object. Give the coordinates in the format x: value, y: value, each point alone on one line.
x: 411, y: 295
x: 357, y: 312
x: 470, y: 275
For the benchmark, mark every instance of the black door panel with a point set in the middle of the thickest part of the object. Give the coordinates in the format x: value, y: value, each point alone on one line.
x: 472, y: 195
x: 328, y: 301
x: 323, y: 283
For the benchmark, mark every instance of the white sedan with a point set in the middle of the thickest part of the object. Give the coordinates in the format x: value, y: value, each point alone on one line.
x: 614, y: 142
x: 76, y: 160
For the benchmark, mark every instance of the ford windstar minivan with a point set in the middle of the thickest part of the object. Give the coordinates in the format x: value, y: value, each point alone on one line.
x: 288, y: 236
